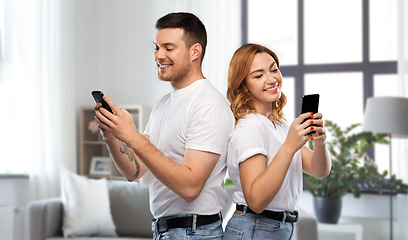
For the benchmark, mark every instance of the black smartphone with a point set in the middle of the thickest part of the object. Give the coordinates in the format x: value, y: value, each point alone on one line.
x: 98, y: 96
x: 310, y: 103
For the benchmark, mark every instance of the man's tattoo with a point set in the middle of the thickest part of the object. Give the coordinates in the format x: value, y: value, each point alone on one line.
x: 125, y: 149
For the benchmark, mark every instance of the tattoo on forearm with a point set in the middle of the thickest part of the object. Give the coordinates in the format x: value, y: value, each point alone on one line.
x: 125, y: 149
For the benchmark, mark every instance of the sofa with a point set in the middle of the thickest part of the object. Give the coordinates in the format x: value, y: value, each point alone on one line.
x: 129, y: 206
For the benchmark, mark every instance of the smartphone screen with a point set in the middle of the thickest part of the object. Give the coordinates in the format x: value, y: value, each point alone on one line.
x: 310, y: 103
x: 98, y: 96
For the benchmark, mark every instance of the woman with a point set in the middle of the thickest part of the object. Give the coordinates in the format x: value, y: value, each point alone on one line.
x: 266, y: 156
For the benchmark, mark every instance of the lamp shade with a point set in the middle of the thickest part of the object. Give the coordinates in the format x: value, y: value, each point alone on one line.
x: 386, y: 115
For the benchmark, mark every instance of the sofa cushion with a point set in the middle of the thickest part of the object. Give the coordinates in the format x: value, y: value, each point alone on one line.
x: 86, y: 206
x: 130, y: 208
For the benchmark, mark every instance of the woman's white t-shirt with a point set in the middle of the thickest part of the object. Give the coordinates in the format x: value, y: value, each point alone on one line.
x: 256, y: 134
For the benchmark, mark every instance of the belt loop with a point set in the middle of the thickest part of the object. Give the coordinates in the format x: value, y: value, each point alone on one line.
x: 194, y: 225
x: 154, y: 225
x: 284, y: 217
x: 245, y: 210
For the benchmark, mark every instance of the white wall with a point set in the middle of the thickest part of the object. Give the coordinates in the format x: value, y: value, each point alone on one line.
x: 113, y: 47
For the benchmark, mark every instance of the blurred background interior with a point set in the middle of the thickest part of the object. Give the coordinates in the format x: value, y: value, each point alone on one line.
x: 54, y: 53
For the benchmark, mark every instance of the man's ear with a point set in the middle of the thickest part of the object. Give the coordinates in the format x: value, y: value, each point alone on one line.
x: 195, y: 51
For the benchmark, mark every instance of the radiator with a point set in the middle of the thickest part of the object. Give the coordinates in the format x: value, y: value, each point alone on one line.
x: 340, y: 232
x: 6, y: 222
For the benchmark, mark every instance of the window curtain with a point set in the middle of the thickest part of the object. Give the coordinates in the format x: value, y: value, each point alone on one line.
x: 222, y: 20
x: 402, y: 151
x: 36, y: 86
x: 400, y: 154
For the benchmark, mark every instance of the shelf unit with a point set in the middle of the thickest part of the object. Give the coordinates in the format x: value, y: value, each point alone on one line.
x: 92, y: 145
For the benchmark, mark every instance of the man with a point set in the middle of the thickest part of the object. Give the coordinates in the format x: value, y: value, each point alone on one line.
x: 184, y: 144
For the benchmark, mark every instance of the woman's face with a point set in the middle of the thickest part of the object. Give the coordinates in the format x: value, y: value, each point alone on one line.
x: 263, y: 82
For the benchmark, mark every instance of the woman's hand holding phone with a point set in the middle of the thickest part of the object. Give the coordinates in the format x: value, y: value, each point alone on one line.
x: 310, y: 103
x: 298, y: 132
x: 319, y: 134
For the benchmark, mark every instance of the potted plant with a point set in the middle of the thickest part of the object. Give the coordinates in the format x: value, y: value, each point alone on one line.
x: 351, y: 171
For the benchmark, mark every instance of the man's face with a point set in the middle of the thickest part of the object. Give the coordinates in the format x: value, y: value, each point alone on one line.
x: 171, y: 55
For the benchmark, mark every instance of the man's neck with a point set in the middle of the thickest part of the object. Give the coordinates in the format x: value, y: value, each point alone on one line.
x: 187, y: 81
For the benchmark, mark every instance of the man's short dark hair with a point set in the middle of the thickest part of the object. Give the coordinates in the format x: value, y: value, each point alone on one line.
x: 194, y: 29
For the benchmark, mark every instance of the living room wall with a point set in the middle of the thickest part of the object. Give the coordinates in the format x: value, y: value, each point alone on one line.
x: 114, y: 51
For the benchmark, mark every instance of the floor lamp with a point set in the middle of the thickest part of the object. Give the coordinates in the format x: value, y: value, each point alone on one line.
x: 387, y: 115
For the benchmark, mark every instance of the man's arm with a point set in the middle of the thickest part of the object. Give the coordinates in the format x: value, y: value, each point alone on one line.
x: 124, y: 158
x: 186, y: 180
x: 126, y: 161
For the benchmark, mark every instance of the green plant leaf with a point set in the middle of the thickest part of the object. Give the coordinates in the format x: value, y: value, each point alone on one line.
x: 352, y: 169
x: 228, y: 182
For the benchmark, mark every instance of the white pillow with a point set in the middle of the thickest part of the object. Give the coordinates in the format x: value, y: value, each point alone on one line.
x: 86, y: 206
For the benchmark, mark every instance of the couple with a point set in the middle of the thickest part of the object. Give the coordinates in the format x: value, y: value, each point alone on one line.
x: 191, y: 130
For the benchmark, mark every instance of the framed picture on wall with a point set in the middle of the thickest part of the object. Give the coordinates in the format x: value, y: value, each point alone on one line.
x: 100, y: 166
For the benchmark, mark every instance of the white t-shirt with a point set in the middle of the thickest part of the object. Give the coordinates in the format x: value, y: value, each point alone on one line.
x: 256, y: 134
x: 196, y: 117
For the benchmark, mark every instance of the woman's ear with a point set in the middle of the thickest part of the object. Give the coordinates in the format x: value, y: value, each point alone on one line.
x: 245, y: 88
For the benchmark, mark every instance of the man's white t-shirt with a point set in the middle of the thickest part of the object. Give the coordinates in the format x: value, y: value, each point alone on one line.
x: 196, y: 117
x: 256, y: 134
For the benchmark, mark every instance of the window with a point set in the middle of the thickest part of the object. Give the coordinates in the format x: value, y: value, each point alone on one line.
x: 340, y: 49
x: 332, y: 31
x: 265, y: 27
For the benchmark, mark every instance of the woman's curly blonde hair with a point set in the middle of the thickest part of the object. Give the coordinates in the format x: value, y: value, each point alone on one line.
x: 241, y: 101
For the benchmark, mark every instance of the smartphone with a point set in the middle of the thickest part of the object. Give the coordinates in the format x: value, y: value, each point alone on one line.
x: 98, y: 96
x: 310, y: 103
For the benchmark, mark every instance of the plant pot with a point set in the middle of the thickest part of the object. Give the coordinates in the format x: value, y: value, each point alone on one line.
x: 327, y: 210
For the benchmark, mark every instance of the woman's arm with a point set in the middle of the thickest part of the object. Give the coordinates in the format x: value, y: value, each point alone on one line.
x: 261, y: 183
x: 317, y: 163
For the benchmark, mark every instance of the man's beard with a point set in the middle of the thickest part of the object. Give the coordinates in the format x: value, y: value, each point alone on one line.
x: 177, y: 76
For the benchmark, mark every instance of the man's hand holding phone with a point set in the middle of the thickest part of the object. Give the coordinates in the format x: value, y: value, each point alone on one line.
x: 98, y: 96
x: 119, y: 123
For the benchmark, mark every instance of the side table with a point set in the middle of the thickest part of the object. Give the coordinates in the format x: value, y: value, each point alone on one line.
x: 340, y: 231
x: 7, y: 222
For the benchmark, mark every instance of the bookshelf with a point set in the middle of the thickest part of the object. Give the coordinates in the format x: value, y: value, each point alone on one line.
x: 93, y: 151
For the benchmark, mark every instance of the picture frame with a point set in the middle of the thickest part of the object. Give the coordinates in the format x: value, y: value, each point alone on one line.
x: 100, y: 166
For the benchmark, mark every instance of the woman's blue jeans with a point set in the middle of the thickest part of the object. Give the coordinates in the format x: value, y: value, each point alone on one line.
x: 245, y: 226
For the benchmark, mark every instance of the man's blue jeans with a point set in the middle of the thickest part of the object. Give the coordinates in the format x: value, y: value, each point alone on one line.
x: 209, y: 231
x: 245, y: 226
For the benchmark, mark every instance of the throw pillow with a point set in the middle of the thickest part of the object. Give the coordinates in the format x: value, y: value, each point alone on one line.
x: 86, y: 206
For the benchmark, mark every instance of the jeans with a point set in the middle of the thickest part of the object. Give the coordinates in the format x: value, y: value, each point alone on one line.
x: 209, y: 231
x: 245, y: 226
